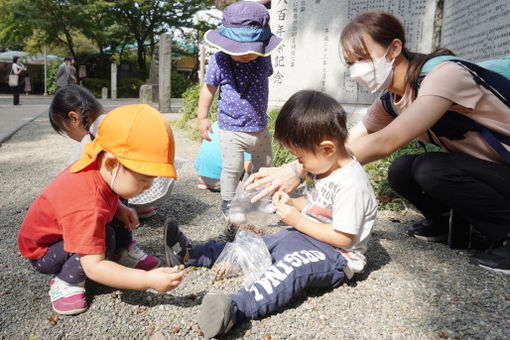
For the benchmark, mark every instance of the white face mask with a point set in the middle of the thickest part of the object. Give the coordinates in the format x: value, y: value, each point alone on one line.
x: 373, y: 75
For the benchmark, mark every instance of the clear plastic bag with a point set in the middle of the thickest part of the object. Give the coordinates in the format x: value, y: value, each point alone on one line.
x: 247, y: 255
x: 242, y: 210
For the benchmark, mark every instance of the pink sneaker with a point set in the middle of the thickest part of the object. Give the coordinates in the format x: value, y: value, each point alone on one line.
x: 145, y: 212
x: 134, y: 257
x: 201, y: 183
x: 67, y: 298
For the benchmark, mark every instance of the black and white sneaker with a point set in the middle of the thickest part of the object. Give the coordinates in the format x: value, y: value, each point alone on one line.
x: 496, y: 259
x: 426, y: 230
x: 217, y: 314
x: 177, y: 245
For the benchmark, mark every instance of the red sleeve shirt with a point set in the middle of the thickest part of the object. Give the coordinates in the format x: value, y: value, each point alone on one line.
x: 75, y: 207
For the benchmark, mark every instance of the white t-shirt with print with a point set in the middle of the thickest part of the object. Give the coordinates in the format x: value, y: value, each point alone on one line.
x: 345, y: 199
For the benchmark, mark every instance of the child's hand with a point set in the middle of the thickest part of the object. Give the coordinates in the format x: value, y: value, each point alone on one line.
x: 282, y: 197
x: 127, y: 216
x: 164, y: 279
x: 288, y: 213
x: 204, y: 125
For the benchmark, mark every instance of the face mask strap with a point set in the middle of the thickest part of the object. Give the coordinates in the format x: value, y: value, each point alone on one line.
x: 115, y: 171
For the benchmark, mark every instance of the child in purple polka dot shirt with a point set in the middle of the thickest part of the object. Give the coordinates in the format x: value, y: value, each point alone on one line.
x: 241, y: 69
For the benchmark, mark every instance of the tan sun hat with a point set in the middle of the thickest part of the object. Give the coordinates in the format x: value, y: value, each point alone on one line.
x: 138, y: 136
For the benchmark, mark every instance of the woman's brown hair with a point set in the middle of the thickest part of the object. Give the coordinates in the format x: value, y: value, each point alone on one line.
x: 383, y: 28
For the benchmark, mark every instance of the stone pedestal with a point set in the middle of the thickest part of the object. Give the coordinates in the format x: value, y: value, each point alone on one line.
x: 146, y: 94
x: 104, y: 93
x: 114, y: 82
x: 165, y: 71
x: 201, y: 72
x: 153, y: 75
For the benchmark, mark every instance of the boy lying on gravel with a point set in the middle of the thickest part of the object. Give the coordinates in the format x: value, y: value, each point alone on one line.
x: 331, y: 224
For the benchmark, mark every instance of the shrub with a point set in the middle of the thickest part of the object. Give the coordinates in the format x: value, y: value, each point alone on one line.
x: 190, y: 104
x: 51, y: 79
x: 95, y: 85
x: 179, y: 84
x: 130, y: 87
x: 378, y: 173
x: 280, y: 154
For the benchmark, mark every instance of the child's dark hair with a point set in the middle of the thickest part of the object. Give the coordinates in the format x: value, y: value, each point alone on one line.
x: 73, y: 98
x: 308, y: 118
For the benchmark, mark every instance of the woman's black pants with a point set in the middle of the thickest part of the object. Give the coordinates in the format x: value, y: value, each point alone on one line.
x: 477, y: 190
x: 16, y: 90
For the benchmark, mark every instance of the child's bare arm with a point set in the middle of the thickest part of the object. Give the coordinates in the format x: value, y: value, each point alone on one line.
x: 299, y: 202
x: 127, y: 216
x: 319, y: 231
x: 204, y: 104
x: 112, y: 274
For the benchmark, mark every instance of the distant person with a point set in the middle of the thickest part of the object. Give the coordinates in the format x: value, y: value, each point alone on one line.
x: 329, y: 227
x: 240, y: 70
x: 63, y: 73
x: 66, y: 233
x: 17, y: 69
x: 209, y: 162
x: 73, y: 79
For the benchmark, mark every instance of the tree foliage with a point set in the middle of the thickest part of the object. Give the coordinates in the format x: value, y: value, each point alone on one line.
x: 109, y: 24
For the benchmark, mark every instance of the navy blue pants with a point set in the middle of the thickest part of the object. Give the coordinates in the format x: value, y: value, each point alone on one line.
x: 67, y: 265
x: 299, y: 262
x: 477, y: 190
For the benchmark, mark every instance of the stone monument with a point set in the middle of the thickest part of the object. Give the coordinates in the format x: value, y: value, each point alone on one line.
x: 114, y: 82
x: 153, y: 75
x: 309, y: 57
x: 146, y: 94
x: 477, y: 30
x: 165, y: 71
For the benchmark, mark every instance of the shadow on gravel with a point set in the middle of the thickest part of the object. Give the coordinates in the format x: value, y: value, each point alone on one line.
x: 149, y: 299
x: 377, y: 257
x: 184, y: 208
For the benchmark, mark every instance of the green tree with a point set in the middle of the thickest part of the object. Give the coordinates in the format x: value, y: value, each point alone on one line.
x: 146, y: 19
x: 53, y: 21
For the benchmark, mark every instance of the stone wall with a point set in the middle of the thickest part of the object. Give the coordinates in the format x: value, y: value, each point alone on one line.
x: 477, y: 30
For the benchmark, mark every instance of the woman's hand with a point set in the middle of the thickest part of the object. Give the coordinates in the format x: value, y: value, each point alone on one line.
x: 127, y: 216
x: 273, y: 179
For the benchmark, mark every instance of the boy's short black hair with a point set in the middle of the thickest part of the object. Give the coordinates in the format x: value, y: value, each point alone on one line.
x: 308, y: 118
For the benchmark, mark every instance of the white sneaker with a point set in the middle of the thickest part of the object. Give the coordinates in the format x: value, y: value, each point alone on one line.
x: 67, y: 298
x: 134, y: 257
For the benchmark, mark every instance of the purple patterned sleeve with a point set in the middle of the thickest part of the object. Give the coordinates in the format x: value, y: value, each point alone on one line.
x: 213, y: 73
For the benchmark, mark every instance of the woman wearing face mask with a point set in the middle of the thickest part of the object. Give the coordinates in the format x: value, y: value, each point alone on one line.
x: 470, y: 177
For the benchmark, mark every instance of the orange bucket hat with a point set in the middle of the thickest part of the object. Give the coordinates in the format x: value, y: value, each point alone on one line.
x: 138, y: 136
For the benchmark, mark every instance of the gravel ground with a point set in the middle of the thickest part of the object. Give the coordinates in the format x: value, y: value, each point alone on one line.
x: 409, y: 290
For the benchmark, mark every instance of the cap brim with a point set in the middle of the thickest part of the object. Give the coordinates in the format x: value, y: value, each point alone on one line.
x: 91, y: 150
x: 88, y: 155
x: 149, y: 168
x: 232, y: 47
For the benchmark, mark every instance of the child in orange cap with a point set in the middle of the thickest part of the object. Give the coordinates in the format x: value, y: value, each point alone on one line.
x: 65, y: 230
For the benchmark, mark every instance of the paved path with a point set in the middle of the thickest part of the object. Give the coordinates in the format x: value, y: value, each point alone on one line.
x: 13, y: 118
